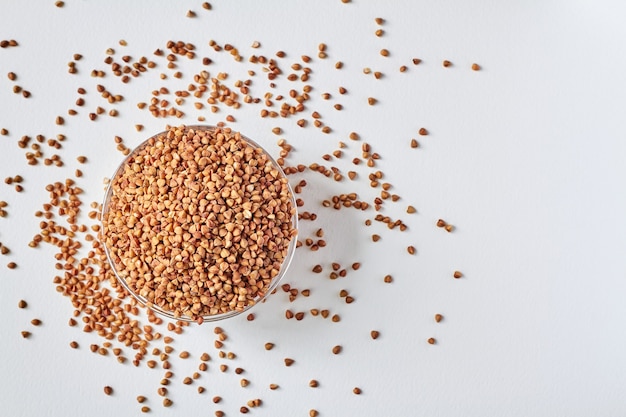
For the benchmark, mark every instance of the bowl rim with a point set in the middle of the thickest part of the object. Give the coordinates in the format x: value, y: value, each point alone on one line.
x: 213, y: 317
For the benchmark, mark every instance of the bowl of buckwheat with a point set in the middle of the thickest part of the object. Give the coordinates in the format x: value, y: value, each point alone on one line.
x: 199, y: 223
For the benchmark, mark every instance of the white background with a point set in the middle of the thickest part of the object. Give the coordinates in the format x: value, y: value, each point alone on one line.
x: 525, y: 158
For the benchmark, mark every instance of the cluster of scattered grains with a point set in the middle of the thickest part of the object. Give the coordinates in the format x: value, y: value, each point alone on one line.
x: 16, y: 88
x: 443, y: 224
x: 82, y: 278
x: 198, y: 237
x: 8, y: 43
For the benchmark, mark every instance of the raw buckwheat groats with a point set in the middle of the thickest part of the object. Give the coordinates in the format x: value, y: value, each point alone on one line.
x: 199, y: 222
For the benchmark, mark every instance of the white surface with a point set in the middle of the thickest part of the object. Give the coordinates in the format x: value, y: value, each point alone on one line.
x: 526, y: 158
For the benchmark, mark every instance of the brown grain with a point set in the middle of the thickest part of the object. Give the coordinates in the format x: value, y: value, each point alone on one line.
x: 215, y: 297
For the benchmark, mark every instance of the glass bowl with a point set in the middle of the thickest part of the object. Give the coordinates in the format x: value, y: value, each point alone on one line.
x: 116, y: 262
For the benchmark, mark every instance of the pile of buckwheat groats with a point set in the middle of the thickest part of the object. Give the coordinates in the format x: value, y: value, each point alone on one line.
x: 199, y: 222
x: 101, y: 305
